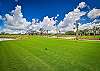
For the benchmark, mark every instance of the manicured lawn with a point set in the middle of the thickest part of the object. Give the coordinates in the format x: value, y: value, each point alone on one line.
x: 97, y: 37
x: 47, y: 54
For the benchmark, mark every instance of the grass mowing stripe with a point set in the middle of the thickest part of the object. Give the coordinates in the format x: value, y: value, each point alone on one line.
x: 21, y: 52
x: 62, y: 55
x: 15, y: 63
x: 84, y: 44
x: 53, y: 54
x: 11, y: 62
x: 30, y: 60
x: 3, y: 57
x: 54, y: 58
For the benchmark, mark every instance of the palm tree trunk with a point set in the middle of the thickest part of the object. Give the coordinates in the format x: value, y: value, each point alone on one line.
x: 77, y: 34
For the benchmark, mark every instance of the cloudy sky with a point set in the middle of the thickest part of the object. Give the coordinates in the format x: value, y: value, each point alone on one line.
x: 40, y: 8
x: 16, y: 15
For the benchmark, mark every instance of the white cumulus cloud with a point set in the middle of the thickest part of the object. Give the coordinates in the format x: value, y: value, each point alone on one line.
x: 0, y: 17
x: 68, y: 22
x: 82, y: 5
x: 94, y: 13
x: 15, y: 21
x: 47, y: 24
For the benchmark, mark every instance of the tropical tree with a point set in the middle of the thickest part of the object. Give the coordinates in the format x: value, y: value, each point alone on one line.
x: 41, y: 30
x: 76, y: 27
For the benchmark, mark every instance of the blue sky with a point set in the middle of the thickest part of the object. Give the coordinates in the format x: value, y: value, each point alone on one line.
x: 40, y: 8
x: 46, y: 11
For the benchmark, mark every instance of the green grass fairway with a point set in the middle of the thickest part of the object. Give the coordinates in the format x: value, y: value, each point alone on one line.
x: 90, y: 37
x: 60, y: 55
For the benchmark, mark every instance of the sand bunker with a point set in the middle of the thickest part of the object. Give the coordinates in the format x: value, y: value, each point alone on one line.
x: 5, y: 39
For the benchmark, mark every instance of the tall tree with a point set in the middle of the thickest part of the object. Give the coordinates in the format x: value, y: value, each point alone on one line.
x: 76, y: 27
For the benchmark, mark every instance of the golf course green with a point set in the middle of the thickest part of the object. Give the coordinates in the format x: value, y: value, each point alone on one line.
x: 49, y: 54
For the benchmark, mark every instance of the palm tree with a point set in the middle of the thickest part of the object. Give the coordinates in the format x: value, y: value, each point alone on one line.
x: 95, y: 22
x: 94, y: 28
x: 41, y: 31
x: 77, y: 32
